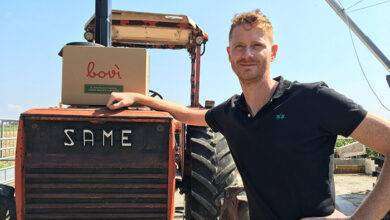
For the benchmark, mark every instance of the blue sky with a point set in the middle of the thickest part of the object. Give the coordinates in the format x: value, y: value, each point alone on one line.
x: 314, y: 45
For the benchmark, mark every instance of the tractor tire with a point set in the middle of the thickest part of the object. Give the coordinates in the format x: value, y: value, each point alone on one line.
x: 212, y: 170
x: 7, y: 203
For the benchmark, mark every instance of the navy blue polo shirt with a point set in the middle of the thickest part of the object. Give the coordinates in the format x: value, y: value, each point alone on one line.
x: 284, y: 153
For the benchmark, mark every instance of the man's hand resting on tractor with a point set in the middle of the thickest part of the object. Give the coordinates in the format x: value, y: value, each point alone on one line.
x: 120, y: 99
x: 191, y: 116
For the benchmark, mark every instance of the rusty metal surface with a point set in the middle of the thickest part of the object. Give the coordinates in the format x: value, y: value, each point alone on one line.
x: 19, y: 172
x: 146, y: 18
x: 150, y: 22
x: 98, y: 113
x: 102, y: 176
x: 95, y: 196
x: 66, y: 177
x: 73, y: 216
x: 152, y: 162
x: 171, y: 173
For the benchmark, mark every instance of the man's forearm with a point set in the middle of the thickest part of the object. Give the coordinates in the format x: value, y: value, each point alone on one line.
x: 377, y: 203
x: 179, y: 112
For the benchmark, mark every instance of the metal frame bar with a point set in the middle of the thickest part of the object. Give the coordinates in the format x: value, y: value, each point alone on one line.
x: 364, y: 38
x: 19, y: 172
x: 103, y: 36
x: 195, y: 76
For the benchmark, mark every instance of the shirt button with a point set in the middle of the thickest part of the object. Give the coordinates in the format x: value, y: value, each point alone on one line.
x: 249, y: 115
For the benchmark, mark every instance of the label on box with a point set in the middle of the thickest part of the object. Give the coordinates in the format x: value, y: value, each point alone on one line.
x: 102, y: 89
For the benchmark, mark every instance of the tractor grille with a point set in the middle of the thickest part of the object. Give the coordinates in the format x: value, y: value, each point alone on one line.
x: 95, y: 193
x: 100, y: 183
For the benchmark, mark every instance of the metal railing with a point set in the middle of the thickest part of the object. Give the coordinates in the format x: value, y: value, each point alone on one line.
x: 8, y: 133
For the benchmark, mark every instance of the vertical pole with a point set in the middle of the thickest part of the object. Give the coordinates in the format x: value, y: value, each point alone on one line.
x: 193, y: 67
x: 195, y: 77
x: 367, y: 41
x: 103, y: 22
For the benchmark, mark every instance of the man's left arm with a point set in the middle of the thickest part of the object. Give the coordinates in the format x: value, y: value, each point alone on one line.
x: 375, y: 133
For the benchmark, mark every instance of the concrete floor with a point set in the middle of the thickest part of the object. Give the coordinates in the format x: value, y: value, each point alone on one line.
x: 351, y: 189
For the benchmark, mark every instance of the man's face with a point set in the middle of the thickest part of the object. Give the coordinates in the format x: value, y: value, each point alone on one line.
x: 250, y: 52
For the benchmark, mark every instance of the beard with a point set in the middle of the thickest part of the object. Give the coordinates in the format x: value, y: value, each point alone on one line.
x: 249, y: 71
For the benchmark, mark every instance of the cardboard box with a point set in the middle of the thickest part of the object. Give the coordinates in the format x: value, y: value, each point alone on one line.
x: 91, y: 73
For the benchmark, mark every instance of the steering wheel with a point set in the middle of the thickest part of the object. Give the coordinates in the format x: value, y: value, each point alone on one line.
x: 154, y: 94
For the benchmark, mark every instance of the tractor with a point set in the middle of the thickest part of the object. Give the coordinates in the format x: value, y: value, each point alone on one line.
x: 138, y: 157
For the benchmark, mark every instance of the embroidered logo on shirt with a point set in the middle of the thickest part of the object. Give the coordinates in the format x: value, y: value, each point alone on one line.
x: 280, y: 117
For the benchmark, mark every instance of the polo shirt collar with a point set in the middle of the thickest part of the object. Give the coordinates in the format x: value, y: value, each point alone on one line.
x: 282, y: 88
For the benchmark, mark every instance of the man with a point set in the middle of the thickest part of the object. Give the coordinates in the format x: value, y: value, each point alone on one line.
x: 288, y: 129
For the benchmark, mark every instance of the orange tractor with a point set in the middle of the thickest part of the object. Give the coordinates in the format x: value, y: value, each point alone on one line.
x: 137, y: 158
